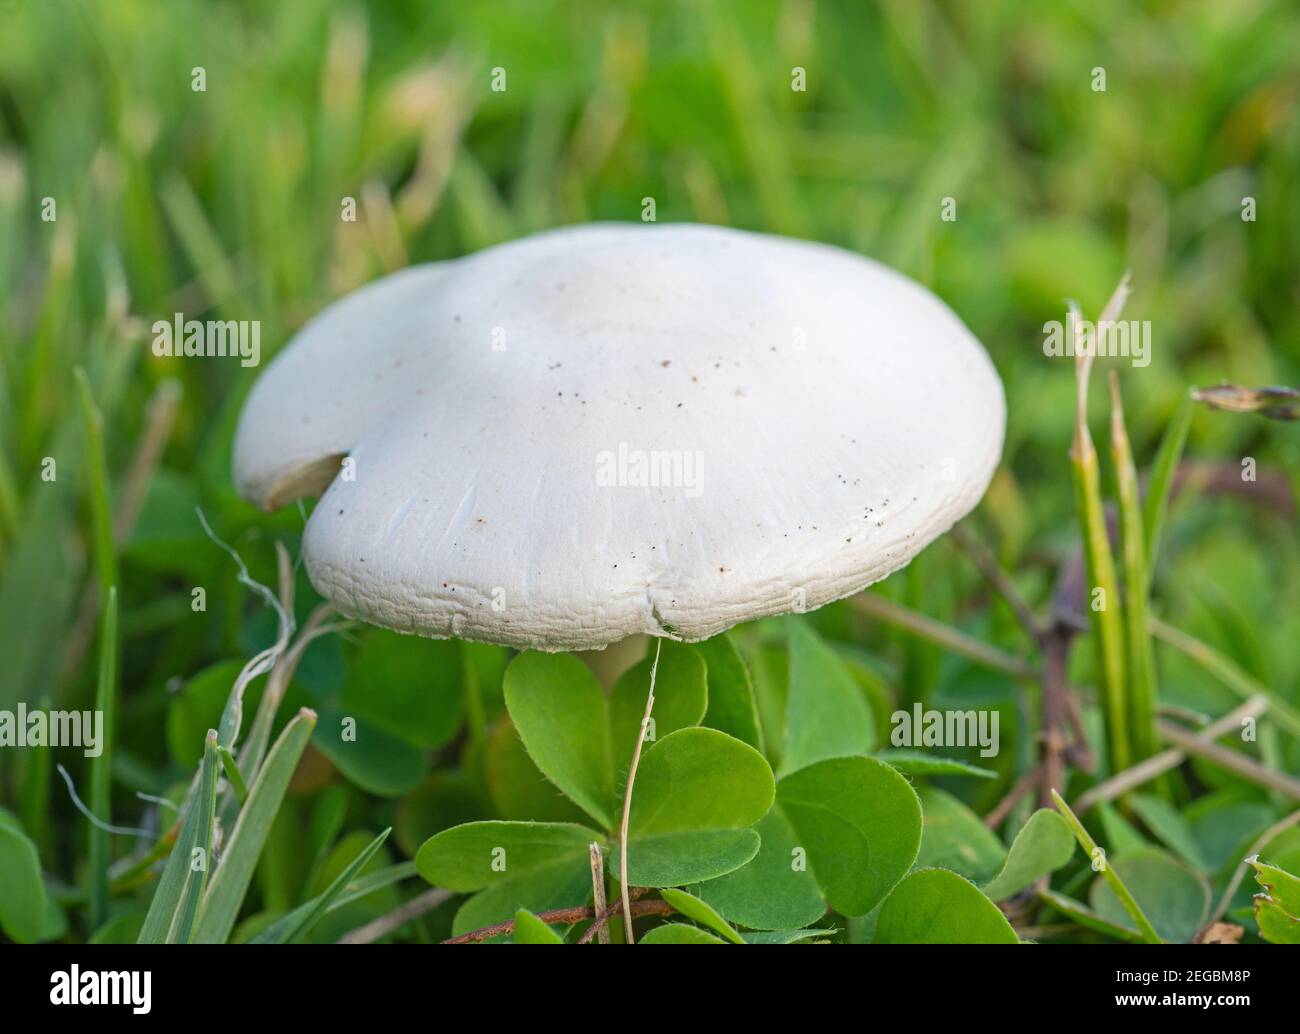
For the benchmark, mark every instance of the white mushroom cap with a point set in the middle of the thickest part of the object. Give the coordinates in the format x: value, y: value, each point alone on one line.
x: 611, y: 429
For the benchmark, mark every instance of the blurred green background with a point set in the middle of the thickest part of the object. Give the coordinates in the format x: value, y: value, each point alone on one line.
x: 225, y: 203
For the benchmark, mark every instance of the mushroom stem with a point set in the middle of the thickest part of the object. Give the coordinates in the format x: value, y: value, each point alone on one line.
x: 608, y: 664
x: 627, y: 798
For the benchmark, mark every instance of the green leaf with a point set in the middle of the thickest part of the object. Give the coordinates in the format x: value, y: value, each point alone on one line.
x: 1276, y: 925
x: 843, y: 831
x: 22, y: 890
x: 564, y: 883
x: 533, y: 865
x: 786, y: 936
x: 230, y: 883
x: 1171, y: 895
x: 408, y: 686
x: 1284, y: 850
x: 319, y: 905
x: 935, y: 906
x: 731, y: 695
x: 1278, y: 884
x: 531, y: 930
x: 919, y: 763
x: 859, y: 822
x: 30, y: 779
x: 772, y: 892
x: 1224, y: 822
x: 481, y: 854
x: 377, y: 761
x: 697, y: 790
x: 954, y: 837
x: 698, y: 779
x: 518, y: 790
x: 826, y: 715
x: 875, y: 689
x: 681, y: 698
x: 1174, y: 831
x: 693, y: 908
x: 54, y: 926
x: 563, y: 718
x: 196, y: 830
x: 1043, y: 845
x: 1277, y: 910
x: 676, y: 859
x: 679, y: 933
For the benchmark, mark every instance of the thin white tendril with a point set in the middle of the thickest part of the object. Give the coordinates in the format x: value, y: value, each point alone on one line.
x: 627, y: 799
x: 97, y: 822
x: 162, y: 801
x: 264, y: 661
x: 286, y: 622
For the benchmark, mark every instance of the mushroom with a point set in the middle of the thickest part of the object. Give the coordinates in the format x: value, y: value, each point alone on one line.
x: 607, y: 430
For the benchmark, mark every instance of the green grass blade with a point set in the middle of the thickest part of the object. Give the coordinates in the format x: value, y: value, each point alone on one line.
x: 40, y: 576
x: 230, y: 884
x: 198, y: 865
x: 1106, y: 616
x: 321, y: 903
x: 233, y: 773
x: 46, y: 349
x: 8, y: 499
x: 201, y: 244
x: 140, y: 871
x: 358, y: 888
x: 1106, y: 612
x: 757, y: 126
x: 1163, y: 470
x: 944, y: 636
x: 35, y: 771
x: 1108, y: 872
x: 1141, y: 661
x: 1228, y: 672
x: 1086, y: 917
x: 483, y: 218
x: 101, y: 767
x: 171, y: 886
x: 101, y: 509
